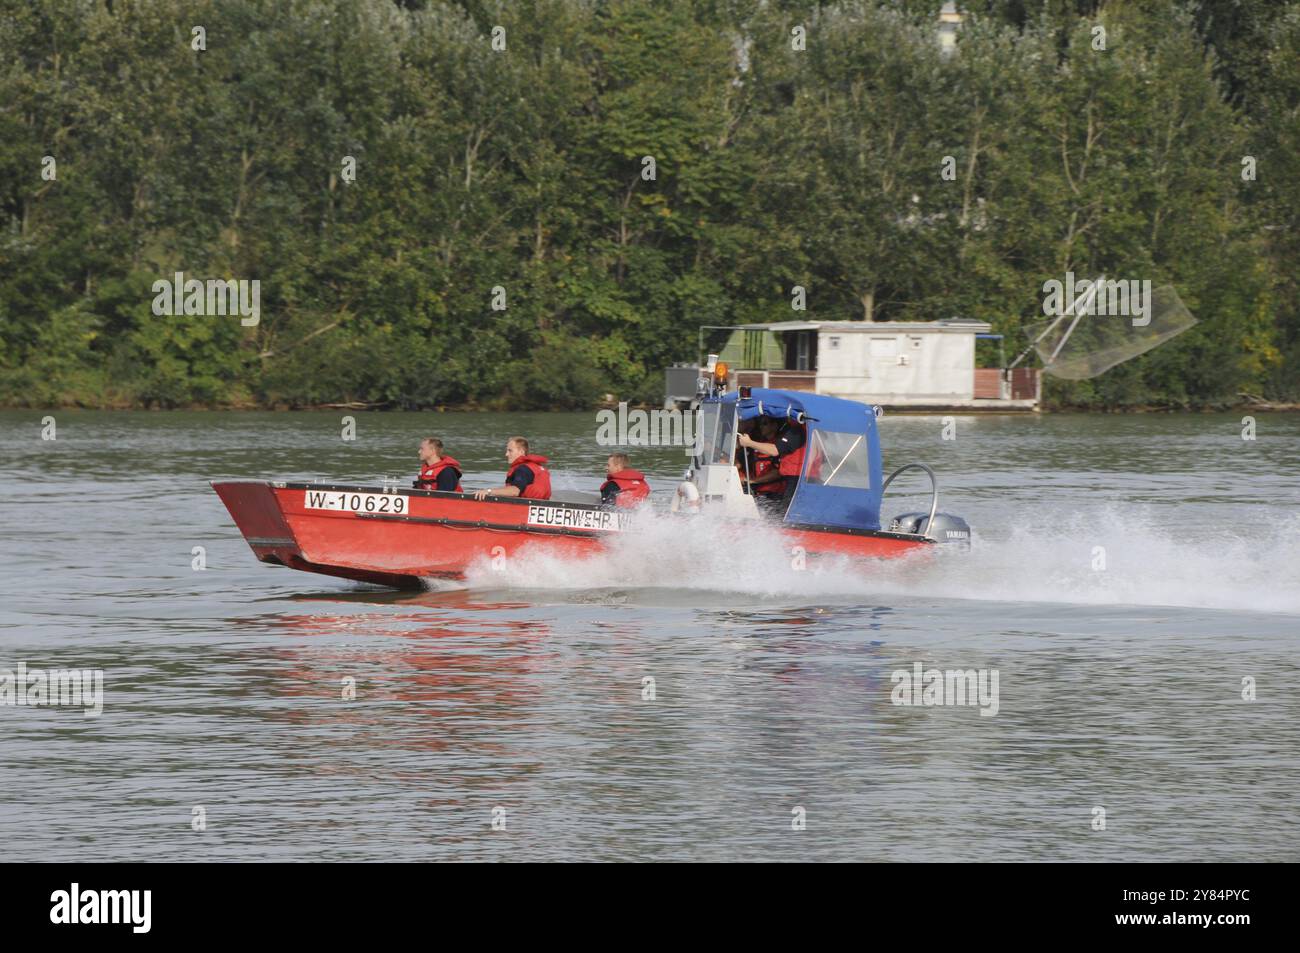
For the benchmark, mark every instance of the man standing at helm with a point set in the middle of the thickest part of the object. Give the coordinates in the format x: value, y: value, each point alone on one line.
x: 788, y: 448
x: 766, y: 485
x: 526, y: 474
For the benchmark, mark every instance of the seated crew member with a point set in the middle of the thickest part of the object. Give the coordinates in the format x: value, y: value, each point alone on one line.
x: 787, y: 447
x: 526, y: 474
x: 623, y: 486
x: 438, y: 471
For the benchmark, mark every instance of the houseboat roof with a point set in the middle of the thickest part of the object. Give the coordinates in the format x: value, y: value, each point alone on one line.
x: 878, y: 327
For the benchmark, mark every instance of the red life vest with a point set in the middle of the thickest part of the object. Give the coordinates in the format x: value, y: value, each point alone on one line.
x: 632, y: 487
x: 540, y: 488
x: 429, y: 472
x: 792, y: 463
x: 764, y: 464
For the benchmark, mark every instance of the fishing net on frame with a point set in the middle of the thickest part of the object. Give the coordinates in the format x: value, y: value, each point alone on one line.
x: 1109, y: 323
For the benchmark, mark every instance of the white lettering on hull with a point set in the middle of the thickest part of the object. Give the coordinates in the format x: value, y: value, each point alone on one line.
x: 564, y: 517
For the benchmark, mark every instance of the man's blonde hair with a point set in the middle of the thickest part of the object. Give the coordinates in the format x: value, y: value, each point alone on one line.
x: 620, y: 460
x: 519, y: 442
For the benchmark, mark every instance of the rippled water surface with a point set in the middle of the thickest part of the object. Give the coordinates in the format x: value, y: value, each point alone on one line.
x: 1129, y: 572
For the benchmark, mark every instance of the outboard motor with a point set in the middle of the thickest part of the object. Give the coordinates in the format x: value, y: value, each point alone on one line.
x: 947, y: 528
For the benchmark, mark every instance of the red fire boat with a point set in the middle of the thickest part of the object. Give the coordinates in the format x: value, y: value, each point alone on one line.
x: 396, y: 537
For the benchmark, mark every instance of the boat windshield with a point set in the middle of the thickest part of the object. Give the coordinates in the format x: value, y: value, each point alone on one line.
x: 716, y: 434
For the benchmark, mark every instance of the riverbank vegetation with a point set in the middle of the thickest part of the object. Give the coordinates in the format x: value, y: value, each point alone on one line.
x: 537, y: 203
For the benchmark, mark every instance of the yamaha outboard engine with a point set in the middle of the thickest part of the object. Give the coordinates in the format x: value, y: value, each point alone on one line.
x: 947, y: 528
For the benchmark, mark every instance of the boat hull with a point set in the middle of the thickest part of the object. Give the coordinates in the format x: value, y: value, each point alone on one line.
x: 397, y: 537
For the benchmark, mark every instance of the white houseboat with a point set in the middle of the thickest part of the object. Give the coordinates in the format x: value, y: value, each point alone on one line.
x: 903, y: 365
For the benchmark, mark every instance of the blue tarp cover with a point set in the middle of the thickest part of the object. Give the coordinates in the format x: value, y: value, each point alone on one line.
x: 815, y: 503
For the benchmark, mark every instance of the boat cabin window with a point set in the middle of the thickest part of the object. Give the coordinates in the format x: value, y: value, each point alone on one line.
x: 838, y: 459
x: 715, y: 434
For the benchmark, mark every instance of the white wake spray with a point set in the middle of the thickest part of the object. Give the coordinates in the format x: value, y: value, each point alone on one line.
x: 1117, y: 557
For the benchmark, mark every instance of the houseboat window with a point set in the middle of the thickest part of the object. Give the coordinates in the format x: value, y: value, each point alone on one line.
x: 800, y: 350
x: 838, y: 459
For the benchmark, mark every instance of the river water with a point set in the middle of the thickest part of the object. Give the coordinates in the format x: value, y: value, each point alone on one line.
x: 1132, y: 578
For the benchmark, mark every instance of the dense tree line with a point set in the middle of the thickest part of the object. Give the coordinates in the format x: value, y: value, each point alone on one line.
x: 519, y: 176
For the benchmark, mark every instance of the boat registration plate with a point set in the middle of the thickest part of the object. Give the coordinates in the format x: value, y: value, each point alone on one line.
x: 564, y: 517
x: 356, y: 502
